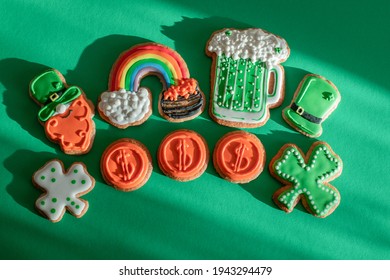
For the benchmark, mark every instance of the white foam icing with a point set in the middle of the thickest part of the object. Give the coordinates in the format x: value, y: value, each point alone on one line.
x: 125, y: 107
x: 255, y: 44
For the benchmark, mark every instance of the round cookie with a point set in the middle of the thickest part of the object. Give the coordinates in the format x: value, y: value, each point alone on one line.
x: 62, y: 189
x: 239, y: 157
x: 246, y: 76
x: 65, y: 113
x: 125, y: 103
x: 126, y: 164
x: 306, y: 178
x: 183, y: 155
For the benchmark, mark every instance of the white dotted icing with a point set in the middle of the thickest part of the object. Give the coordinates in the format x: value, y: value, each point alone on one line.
x: 125, y: 107
x: 62, y: 190
x: 255, y: 44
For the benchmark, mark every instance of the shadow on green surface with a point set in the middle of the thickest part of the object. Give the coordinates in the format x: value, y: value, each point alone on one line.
x: 21, y: 188
x: 16, y: 76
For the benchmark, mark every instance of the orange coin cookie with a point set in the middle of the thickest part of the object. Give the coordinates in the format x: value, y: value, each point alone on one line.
x: 183, y: 155
x: 126, y: 164
x: 239, y: 157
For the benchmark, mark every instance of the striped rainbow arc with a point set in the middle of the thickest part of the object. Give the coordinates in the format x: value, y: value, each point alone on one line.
x: 142, y: 60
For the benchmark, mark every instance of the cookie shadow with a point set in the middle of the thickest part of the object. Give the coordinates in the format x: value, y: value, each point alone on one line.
x: 293, y: 76
x: 265, y: 185
x: 16, y: 76
x: 22, y: 165
x: 190, y: 36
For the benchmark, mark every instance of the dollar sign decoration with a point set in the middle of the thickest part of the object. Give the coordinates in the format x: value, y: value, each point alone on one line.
x: 185, y: 159
x: 127, y: 168
x: 241, y: 162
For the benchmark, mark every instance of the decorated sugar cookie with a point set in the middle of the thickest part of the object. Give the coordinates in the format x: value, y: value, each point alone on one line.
x: 62, y: 190
x: 126, y: 164
x: 314, y: 100
x: 239, y: 157
x: 183, y: 155
x: 246, y: 76
x: 125, y: 103
x: 306, y: 178
x: 66, y: 113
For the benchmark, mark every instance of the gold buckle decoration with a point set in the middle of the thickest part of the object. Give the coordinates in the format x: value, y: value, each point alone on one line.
x: 54, y: 97
x: 300, y: 110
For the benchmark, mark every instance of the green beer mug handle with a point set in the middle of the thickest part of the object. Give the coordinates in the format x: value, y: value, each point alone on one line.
x: 276, y: 94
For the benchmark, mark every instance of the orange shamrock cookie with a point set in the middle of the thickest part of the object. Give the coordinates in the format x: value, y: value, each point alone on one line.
x: 183, y: 155
x: 126, y: 164
x: 239, y: 157
x: 66, y: 113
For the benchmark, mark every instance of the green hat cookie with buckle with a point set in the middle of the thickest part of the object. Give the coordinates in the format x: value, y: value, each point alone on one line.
x: 314, y: 100
x: 50, y: 90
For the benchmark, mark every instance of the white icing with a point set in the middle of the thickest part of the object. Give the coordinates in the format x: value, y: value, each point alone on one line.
x: 62, y: 190
x: 61, y: 108
x: 125, y: 107
x: 255, y: 44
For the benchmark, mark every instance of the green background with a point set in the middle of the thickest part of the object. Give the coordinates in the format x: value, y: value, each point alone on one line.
x: 207, y: 218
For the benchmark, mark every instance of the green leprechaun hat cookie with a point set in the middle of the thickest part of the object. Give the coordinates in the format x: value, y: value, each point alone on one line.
x: 49, y: 90
x: 314, y: 100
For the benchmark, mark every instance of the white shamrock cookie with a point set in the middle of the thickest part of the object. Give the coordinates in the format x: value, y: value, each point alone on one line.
x: 62, y: 189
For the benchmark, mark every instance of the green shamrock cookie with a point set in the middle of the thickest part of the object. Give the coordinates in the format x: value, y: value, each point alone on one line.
x: 306, y: 178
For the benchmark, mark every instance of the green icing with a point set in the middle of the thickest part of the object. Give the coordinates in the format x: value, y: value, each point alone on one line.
x: 239, y: 84
x: 308, y: 180
x: 43, y: 177
x: 53, y: 210
x: 68, y: 199
x: 54, y: 200
x: 53, y: 180
x: 53, y: 170
x: 83, y: 182
x: 47, y: 88
x: 317, y: 97
x: 149, y: 62
x: 42, y: 202
x: 73, y: 182
x: 75, y: 171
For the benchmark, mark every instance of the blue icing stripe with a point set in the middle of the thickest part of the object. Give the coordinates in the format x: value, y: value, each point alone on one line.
x: 157, y: 67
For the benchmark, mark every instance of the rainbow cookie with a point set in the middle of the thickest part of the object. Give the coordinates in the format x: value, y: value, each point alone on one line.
x: 127, y: 104
x: 246, y: 76
x: 314, y: 100
x: 306, y: 178
x: 62, y: 190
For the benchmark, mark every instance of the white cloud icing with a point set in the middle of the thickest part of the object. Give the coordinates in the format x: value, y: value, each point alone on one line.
x: 255, y: 44
x: 125, y: 107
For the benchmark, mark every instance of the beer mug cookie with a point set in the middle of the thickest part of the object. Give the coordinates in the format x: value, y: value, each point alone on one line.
x: 66, y: 113
x: 125, y: 103
x: 246, y: 76
x: 314, y: 100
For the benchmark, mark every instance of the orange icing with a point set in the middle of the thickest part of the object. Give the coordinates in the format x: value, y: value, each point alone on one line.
x: 239, y: 156
x: 184, y: 88
x: 125, y: 164
x: 183, y: 155
x: 73, y: 130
